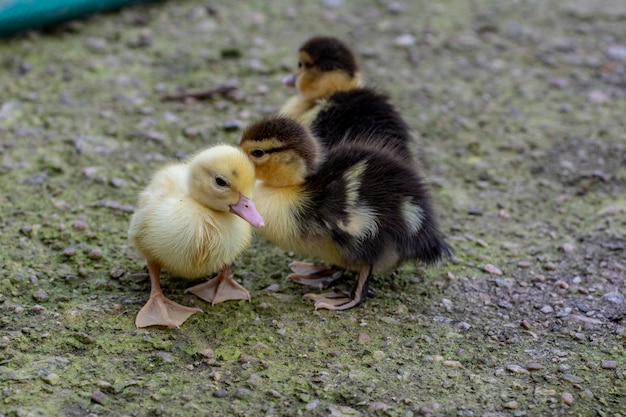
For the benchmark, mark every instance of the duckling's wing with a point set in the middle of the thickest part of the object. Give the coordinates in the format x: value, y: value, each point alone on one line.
x: 377, y: 209
x: 362, y: 116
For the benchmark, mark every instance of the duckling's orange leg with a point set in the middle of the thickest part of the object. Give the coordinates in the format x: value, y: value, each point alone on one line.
x: 160, y: 311
x: 314, y: 275
x: 221, y: 288
x: 339, y: 300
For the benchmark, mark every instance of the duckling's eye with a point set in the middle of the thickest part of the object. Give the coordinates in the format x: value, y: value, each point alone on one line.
x: 257, y: 153
x: 221, y: 181
x: 299, y: 64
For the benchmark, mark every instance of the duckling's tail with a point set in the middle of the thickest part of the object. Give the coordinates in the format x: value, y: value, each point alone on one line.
x: 431, y: 247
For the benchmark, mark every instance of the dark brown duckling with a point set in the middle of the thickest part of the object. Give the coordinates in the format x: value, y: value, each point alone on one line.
x: 358, y: 207
x: 337, y: 108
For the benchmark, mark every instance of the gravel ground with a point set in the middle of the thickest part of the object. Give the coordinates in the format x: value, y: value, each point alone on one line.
x: 519, y: 107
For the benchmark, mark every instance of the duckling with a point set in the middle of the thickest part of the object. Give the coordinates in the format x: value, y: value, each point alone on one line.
x: 333, y: 103
x: 193, y: 219
x: 358, y: 207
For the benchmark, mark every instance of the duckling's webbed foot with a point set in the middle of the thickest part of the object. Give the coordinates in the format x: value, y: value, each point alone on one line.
x: 314, y: 275
x: 340, y: 300
x: 159, y: 310
x: 221, y: 288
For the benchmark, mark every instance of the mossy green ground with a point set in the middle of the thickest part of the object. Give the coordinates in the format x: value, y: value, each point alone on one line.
x: 520, y: 111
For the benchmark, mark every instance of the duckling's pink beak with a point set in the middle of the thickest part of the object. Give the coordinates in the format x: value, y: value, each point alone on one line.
x: 246, y: 209
x: 290, y: 80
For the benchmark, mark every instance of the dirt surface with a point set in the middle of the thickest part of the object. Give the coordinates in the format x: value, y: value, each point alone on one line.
x: 520, y: 107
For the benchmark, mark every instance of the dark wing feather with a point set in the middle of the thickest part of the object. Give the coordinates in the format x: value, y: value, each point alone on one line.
x: 363, y: 116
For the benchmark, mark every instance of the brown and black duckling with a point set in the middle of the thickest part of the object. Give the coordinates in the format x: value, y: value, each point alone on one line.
x: 333, y: 103
x: 358, y: 207
x: 193, y: 219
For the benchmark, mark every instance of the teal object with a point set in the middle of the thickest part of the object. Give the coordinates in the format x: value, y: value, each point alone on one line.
x: 19, y: 15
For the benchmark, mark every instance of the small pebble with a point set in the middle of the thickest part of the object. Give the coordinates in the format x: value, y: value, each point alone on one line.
x: 273, y: 288
x: 534, y: 366
x: 220, y: 393
x: 396, y: 7
x: 608, y: 365
x: 567, y: 398
x: 333, y: 4
x: 166, y: 357
x: 70, y: 251
x: 275, y: 393
x: 51, y: 379
x: 575, y: 318
x: 549, y: 266
x: 95, y: 254
x: 254, y: 379
x: 105, y: 385
x: 547, y: 309
x: 364, y: 338
x: 98, y: 397
x: 452, y: 364
x: 523, y: 264
x: 516, y: 369
x: 511, y: 405
x: 233, y: 124
x: 312, y: 405
x: 378, y: 355
x: 405, y: 41
x: 378, y: 406
x: 561, y: 284
x: 85, y: 338
x: 613, y: 297
x: 117, y: 182
x: 597, y: 97
x: 616, y: 51
x: 558, y: 83
x: 572, y: 378
x: 567, y: 247
x: 117, y: 273
x: 564, y: 367
x: 80, y: 225
x: 243, y: 393
x: 207, y: 353
x: 492, y: 269
x: 586, y: 394
x: 430, y: 409
x: 40, y: 295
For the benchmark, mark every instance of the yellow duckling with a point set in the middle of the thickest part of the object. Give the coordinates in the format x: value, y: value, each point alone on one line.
x: 357, y: 207
x: 194, y: 219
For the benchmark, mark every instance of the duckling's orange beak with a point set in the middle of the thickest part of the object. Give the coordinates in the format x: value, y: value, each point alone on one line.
x: 290, y: 80
x: 246, y: 209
